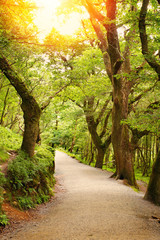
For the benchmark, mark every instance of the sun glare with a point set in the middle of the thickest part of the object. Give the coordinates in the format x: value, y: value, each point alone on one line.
x: 70, y: 25
x: 46, y: 19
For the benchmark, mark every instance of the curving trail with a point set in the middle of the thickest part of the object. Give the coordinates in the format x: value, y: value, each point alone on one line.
x: 92, y: 207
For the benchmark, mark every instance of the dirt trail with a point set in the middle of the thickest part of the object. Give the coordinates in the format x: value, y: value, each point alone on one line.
x: 92, y: 207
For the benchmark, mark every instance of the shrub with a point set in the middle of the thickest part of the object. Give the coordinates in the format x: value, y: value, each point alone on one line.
x: 3, y: 155
x: 30, y: 180
x: 2, y: 181
x: 3, y: 218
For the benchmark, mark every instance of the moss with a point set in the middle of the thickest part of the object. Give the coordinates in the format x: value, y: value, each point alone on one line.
x: 135, y: 188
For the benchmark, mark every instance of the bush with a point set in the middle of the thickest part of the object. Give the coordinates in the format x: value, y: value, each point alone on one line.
x: 3, y: 218
x: 30, y: 180
x: 3, y: 155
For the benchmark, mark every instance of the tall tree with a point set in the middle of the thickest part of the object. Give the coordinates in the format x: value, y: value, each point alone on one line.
x: 114, y: 64
x: 16, y: 15
x: 98, y: 139
x: 30, y: 107
x: 88, y: 92
x: 153, y: 190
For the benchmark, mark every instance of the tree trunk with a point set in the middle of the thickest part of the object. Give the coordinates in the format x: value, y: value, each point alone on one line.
x: 97, y: 142
x: 121, y: 90
x: 31, y: 126
x: 92, y: 152
x: 120, y: 137
x: 100, y: 146
x: 153, y: 190
x: 107, y: 155
x: 100, y: 158
x: 30, y: 107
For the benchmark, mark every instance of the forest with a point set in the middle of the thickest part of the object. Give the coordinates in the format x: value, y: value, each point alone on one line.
x: 93, y: 94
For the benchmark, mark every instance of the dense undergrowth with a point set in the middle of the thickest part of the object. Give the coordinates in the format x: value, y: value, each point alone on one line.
x: 8, y: 141
x: 28, y: 181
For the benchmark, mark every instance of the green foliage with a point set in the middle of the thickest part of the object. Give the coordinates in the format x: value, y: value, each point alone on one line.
x: 139, y: 176
x: 27, y: 201
x: 44, y: 154
x: 3, y: 155
x: 30, y: 181
x: 88, y: 75
x: 46, y: 70
x: 3, y: 217
x: 9, y: 140
x: 2, y: 179
x: 2, y: 182
x: 3, y: 220
x: 10, y: 112
x: 21, y: 171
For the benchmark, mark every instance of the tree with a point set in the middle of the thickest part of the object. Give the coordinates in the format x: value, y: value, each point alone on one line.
x: 16, y: 21
x: 20, y: 21
x: 87, y: 91
x: 153, y: 190
x: 114, y: 64
x: 100, y: 143
x: 30, y: 107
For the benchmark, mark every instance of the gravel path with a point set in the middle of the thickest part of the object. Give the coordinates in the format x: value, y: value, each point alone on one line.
x: 92, y: 207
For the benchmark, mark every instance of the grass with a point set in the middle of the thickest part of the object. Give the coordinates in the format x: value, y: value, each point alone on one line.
x: 139, y: 176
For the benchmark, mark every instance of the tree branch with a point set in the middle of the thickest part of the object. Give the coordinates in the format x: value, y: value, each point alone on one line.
x: 105, y: 124
x: 101, y: 113
x: 16, y: 82
x: 103, y: 45
x: 144, y: 41
x: 107, y: 142
x: 93, y: 11
x: 141, y: 95
x: 46, y: 104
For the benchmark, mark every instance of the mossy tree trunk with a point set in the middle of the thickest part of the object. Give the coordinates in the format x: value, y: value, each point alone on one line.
x: 120, y: 135
x: 30, y: 108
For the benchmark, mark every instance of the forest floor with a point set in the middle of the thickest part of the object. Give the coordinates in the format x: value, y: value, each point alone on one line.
x: 88, y: 205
